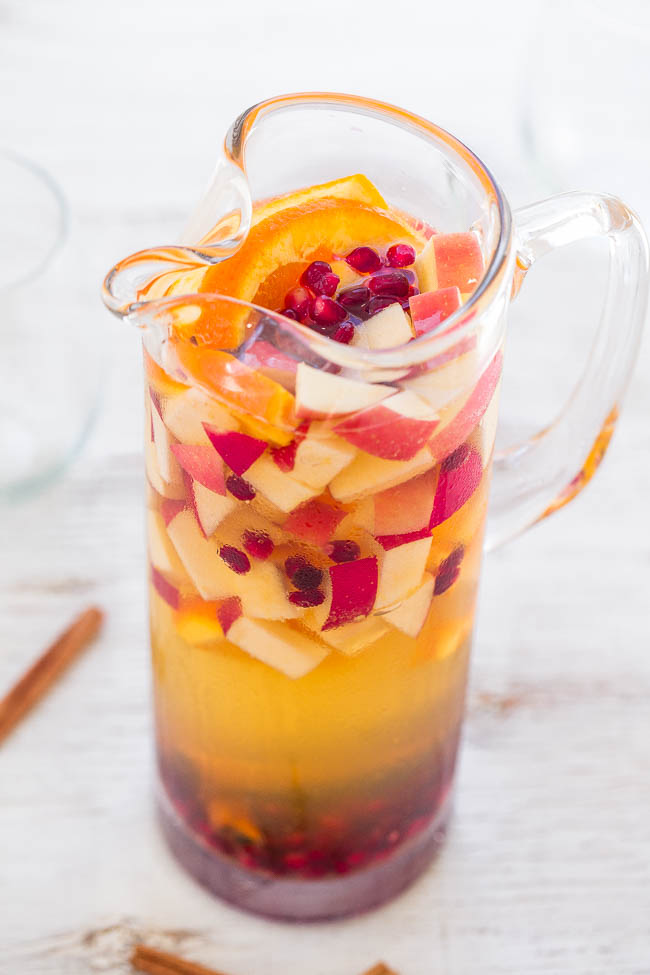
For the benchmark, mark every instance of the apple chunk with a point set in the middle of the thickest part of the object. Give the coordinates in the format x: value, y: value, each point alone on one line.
x: 168, y: 468
x: 321, y: 393
x: 276, y: 365
x: 287, y: 651
x: 401, y: 571
x: 407, y: 507
x: 314, y: 522
x: 450, y: 260
x: 320, y: 456
x: 368, y: 475
x: 460, y: 475
x: 279, y: 487
x: 430, y: 308
x: 394, y: 430
x: 410, y: 616
x: 186, y: 413
x: 237, y: 450
x: 351, y: 638
x: 202, y: 463
x: 165, y: 589
x: 162, y: 553
x: 385, y: 330
x: 452, y: 434
x: 354, y: 588
x: 211, y: 508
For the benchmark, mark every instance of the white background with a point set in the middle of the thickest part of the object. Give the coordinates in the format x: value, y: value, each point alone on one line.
x: 547, y: 867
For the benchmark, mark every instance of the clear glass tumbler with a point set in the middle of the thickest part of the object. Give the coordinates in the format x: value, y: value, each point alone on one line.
x: 49, y: 356
x: 316, y: 511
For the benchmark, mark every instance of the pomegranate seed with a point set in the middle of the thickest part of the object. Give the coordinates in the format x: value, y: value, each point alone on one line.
x: 344, y: 333
x: 298, y: 300
x: 326, y: 311
x: 308, y: 597
x: 235, y: 559
x: 289, y: 313
x: 455, y: 459
x: 391, y: 283
x: 400, y: 255
x: 364, y: 259
x: 307, y: 577
x: 293, y: 564
x: 258, y: 544
x: 353, y: 299
x: 343, y: 550
x: 448, y: 571
x: 320, y: 279
x: 380, y: 302
x: 240, y: 488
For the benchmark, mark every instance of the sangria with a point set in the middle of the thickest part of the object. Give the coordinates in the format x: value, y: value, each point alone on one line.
x: 315, y: 542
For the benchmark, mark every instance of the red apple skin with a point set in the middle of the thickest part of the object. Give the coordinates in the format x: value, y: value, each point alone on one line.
x: 456, y: 432
x: 422, y: 368
x: 455, y: 487
x: 229, y: 611
x: 459, y: 260
x: 237, y: 450
x: 388, y: 542
x: 202, y: 465
x: 386, y: 433
x: 263, y: 356
x: 169, y: 509
x: 428, y: 310
x: 164, y: 589
x: 314, y: 522
x: 354, y: 589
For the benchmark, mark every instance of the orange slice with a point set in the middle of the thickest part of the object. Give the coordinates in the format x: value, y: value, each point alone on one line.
x: 269, y: 406
x: 327, y: 226
x: 357, y: 187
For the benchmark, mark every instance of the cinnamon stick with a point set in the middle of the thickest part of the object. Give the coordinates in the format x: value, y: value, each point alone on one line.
x: 43, y: 673
x: 155, y: 962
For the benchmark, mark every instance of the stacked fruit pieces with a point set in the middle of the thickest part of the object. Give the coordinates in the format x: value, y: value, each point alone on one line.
x: 295, y: 511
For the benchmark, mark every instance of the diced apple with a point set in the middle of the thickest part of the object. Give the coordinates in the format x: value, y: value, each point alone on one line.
x: 320, y: 456
x: 401, y: 571
x: 261, y: 589
x: 450, y: 260
x: 351, y: 638
x: 451, y: 380
x: 229, y: 611
x: 367, y: 474
x: 394, y: 430
x: 430, y: 308
x: 321, y: 393
x: 210, y: 508
x: 267, y: 359
x: 385, y: 330
x: 452, y: 434
x: 237, y: 450
x: 489, y: 423
x: 165, y: 589
x: 280, y: 488
x: 169, y: 508
x: 456, y: 485
x: 173, y: 491
x: 186, y: 413
x: 407, y: 507
x: 287, y: 651
x: 314, y: 522
x: 162, y: 553
x: 410, y: 616
x: 354, y: 588
x: 168, y: 467
x: 202, y: 463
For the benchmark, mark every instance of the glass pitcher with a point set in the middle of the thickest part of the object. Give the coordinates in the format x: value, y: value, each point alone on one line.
x: 316, y: 510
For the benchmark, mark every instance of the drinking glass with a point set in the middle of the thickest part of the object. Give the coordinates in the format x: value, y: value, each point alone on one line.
x: 49, y: 361
x: 312, y: 599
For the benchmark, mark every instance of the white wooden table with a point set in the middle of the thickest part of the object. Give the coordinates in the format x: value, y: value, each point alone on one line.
x: 547, y: 865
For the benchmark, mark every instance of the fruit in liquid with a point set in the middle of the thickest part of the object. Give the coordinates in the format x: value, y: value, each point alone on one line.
x: 315, y: 542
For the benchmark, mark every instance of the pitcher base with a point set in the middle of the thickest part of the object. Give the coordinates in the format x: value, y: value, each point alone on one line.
x: 303, y: 900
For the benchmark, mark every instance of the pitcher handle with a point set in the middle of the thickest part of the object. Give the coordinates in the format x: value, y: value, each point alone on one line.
x: 537, y: 477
